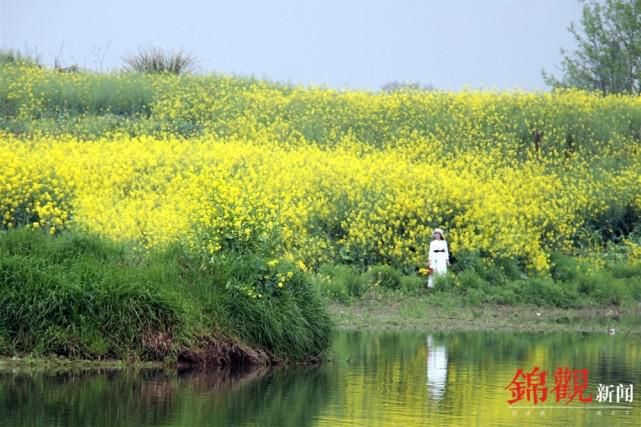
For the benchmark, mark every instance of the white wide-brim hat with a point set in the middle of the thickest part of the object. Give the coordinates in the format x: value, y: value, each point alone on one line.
x: 438, y: 230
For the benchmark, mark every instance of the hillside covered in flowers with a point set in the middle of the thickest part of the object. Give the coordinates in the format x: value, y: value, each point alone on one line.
x: 332, y: 176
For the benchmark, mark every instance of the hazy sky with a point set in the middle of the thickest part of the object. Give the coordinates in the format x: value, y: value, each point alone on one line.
x: 350, y: 43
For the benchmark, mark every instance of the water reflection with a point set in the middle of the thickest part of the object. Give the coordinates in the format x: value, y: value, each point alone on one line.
x: 436, y: 369
x: 374, y: 379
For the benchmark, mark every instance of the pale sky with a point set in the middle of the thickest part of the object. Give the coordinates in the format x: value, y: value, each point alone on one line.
x: 490, y: 44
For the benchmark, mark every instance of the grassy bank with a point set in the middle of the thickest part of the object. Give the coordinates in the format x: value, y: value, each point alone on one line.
x: 450, y: 313
x: 477, y: 295
x: 81, y: 296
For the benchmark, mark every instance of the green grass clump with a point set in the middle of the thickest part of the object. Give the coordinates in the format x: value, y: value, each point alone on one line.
x: 340, y: 282
x: 158, y: 60
x: 411, y: 284
x: 384, y: 276
x: 290, y: 321
x: 81, y: 296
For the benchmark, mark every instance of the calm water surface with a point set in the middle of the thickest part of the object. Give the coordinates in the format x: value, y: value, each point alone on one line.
x: 374, y: 379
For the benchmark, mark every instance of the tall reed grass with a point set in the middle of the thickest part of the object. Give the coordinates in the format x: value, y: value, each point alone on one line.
x: 157, y: 60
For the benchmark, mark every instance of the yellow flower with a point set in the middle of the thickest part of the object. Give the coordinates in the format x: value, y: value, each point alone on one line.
x: 272, y: 263
x: 366, y: 192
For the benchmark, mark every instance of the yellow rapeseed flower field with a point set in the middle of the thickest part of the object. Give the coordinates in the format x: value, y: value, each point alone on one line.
x: 371, y: 206
x: 329, y: 175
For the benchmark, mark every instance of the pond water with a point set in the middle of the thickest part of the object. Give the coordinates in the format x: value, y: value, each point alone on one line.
x: 373, y: 379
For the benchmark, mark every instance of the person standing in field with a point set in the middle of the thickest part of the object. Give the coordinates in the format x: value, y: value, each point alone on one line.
x: 439, y: 256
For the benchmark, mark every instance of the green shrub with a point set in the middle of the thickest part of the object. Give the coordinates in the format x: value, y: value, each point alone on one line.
x: 491, y: 271
x: 609, y: 290
x: 616, y: 222
x: 475, y: 296
x: 336, y: 290
x: 343, y: 281
x: 505, y: 295
x: 447, y: 282
x: 564, y: 267
x: 330, y: 287
x: 469, y: 279
x: 511, y: 269
x: 587, y: 283
x: 494, y: 271
x: 635, y: 288
x: 384, y: 276
x: 544, y: 291
x: 626, y: 270
x: 467, y: 260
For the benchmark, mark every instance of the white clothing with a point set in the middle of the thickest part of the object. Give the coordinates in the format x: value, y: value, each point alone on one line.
x: 438, y: 258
